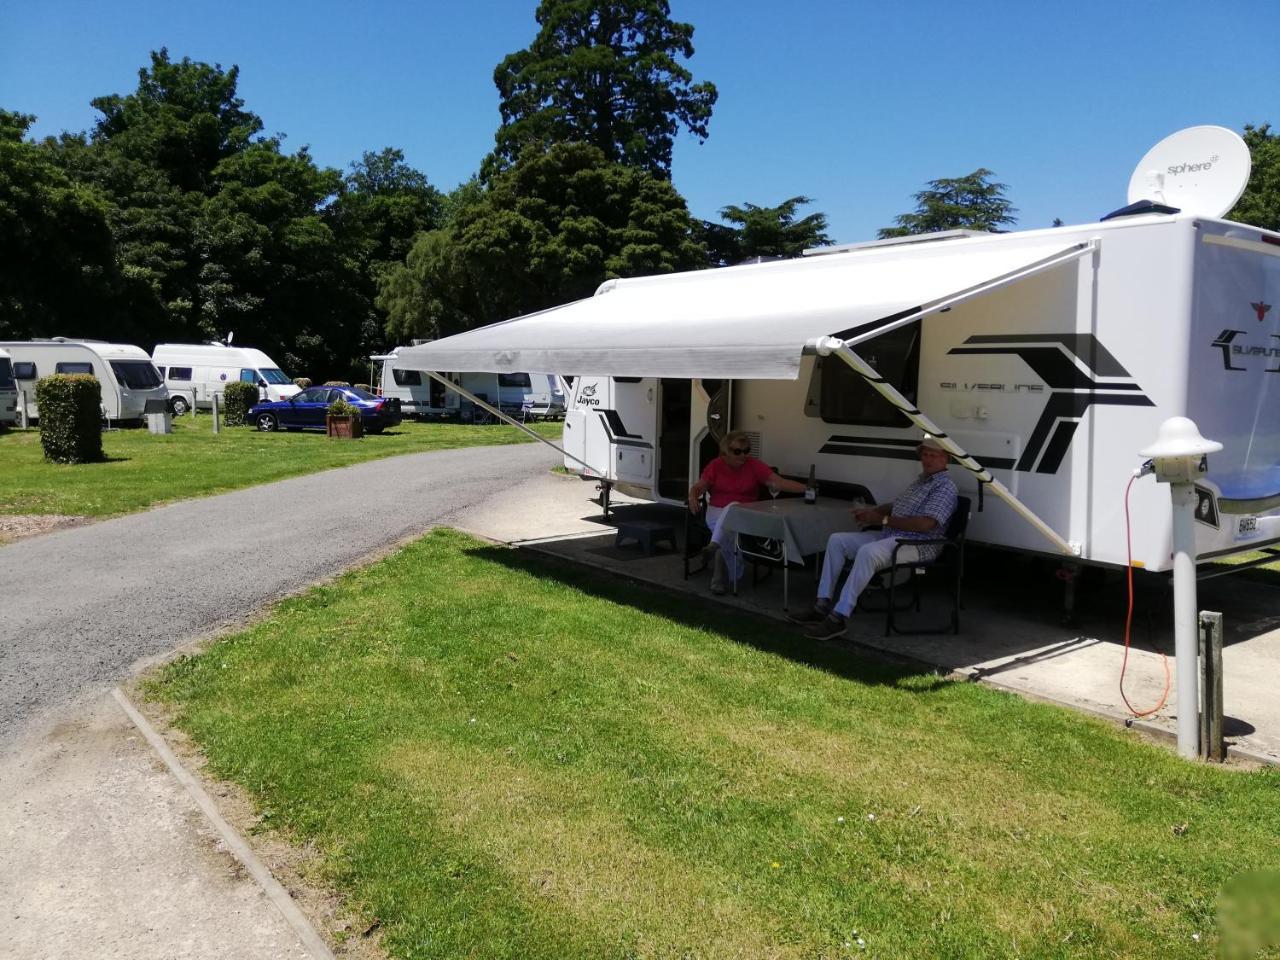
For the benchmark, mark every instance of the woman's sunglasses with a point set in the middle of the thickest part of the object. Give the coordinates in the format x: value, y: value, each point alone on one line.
x: 740, y: 451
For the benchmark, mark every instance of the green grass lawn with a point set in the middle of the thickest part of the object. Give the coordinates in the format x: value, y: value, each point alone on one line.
x: 499, y: 756
x: 143, y: 469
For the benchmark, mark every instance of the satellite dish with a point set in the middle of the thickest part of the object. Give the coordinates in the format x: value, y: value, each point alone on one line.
x: 231, y: 334
x: 1200, y: 170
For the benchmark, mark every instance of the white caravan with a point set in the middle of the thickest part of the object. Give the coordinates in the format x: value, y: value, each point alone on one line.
x: 419, y: 396
x: 8, y: 392
x: 194, y: 372
x: 125, y: 372
x: 1044, y: 360
x: 516, y: 393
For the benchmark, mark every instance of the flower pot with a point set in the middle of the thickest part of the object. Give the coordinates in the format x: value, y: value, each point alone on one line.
x: 349, y: 427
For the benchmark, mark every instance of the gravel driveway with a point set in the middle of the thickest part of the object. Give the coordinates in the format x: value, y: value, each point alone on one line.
x: 78, y: 607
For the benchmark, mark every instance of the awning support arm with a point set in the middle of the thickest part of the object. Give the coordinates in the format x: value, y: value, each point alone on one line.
x: 464, y: 392
x: 827, y: 346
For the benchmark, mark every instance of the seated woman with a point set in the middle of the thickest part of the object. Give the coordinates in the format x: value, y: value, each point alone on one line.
x: 733, y: 477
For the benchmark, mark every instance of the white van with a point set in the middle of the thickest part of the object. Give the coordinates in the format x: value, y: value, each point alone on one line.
x: 194, y: 372
x: 8, y: 392
x: 125, y: 372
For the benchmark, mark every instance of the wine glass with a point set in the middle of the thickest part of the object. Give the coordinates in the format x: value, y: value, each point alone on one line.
x: 774, y: 490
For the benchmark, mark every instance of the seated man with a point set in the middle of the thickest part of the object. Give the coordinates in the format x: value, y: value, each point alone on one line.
x: 921, y: 512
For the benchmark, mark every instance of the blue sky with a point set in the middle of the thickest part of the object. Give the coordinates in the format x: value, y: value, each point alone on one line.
x: 854, y: 103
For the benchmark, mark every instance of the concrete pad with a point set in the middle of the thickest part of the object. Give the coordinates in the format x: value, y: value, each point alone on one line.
x: 1012, y: 635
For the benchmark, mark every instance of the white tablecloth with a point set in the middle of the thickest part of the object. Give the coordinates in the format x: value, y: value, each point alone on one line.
x: 802, y: 527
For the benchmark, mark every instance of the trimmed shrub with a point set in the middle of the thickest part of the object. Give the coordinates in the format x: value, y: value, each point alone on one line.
x: 336, y: 383
x: 239, y: 398
x: 365, y: 387
x: 70, y: 409
x: 340, y: 407
x: 302, y: 382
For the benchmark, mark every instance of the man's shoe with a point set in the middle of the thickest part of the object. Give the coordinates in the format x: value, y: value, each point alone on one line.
x: 719, y: 575
x: 815, y: 614
x: 831, y: 627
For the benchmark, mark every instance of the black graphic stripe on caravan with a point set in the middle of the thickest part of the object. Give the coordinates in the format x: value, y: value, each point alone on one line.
x: 887, y: 448
x: 1071, y: 368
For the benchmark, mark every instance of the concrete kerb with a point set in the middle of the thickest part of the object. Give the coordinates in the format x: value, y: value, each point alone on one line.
x: 236, y: 845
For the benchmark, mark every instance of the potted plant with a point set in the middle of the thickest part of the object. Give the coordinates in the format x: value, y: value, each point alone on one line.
x: 342, y: 419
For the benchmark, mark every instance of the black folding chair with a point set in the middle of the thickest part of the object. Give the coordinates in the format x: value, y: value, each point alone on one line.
x: 946, y: 567
x: 697, y: 535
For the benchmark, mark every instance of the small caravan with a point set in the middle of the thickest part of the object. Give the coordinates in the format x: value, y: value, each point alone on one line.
x: 1044, y: 360
x: 125, y: 372
x: 194, y: 372
x: 8, y: 392
x: 517, y: 393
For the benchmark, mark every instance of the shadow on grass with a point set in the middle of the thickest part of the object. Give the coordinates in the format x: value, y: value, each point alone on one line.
x: 768, y: 636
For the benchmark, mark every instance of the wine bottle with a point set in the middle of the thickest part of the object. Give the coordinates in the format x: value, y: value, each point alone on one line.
x: 811, y: 488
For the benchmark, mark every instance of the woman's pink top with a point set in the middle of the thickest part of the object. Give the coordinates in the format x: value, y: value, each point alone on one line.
x: 729, y: 485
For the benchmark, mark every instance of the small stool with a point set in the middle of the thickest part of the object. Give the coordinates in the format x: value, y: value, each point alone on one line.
x: 647, y: 533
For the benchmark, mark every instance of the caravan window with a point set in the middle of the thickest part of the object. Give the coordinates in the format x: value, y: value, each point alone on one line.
x: 406, y: 378
x: 68, y: 367
x: 513, y: 380
x: 182, y: 374
x: 136, y: 374
x: 844, y: 397
x: 24, y: 370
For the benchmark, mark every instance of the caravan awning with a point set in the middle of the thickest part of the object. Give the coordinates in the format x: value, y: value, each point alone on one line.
x: 742, y: 322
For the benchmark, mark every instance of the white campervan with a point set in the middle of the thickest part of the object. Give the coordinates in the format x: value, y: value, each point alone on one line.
x: 125, y: 372
x: 8, y: 392
x: 194, y: 372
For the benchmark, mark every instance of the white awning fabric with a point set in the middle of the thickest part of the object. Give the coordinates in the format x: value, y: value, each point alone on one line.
x: 741, y: 322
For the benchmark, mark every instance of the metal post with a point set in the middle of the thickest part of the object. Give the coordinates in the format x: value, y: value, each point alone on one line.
x: 1211, y: 743
x: 1184, y: 617
x: 217, y: 421
x: 23, y: 422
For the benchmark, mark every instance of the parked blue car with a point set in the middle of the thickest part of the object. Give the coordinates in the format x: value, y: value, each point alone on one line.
x: 306, y: 410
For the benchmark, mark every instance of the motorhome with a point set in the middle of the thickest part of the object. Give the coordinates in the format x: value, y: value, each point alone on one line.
x: 1045, y: 360
x: 539, y: 396
x: 125, y: 372
x: 8, y: 392
x: 194, y: 372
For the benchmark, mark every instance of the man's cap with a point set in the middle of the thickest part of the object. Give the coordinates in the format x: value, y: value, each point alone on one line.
x: 931, y: 443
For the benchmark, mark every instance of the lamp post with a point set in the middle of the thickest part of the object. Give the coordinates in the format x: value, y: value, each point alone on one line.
x: 1179, y: 456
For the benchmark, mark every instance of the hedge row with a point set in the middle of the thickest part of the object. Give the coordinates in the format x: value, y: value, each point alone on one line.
x: 239, y: 397
x: 70, y: 410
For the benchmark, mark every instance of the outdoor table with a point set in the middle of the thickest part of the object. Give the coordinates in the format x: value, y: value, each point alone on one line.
x: 801, y: 529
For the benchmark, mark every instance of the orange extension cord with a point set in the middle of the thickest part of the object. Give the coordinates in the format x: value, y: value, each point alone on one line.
x: 1128, y: 620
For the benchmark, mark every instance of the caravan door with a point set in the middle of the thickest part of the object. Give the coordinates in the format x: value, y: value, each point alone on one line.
x: 631, y: 425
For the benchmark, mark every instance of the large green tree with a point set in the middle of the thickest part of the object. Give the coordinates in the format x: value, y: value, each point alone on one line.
x: 769, y: 232
x: 971, y: 202
x: 1260, y: 203
x: 59, y: 273
x: 607, y: 73
x: 548, y: 230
